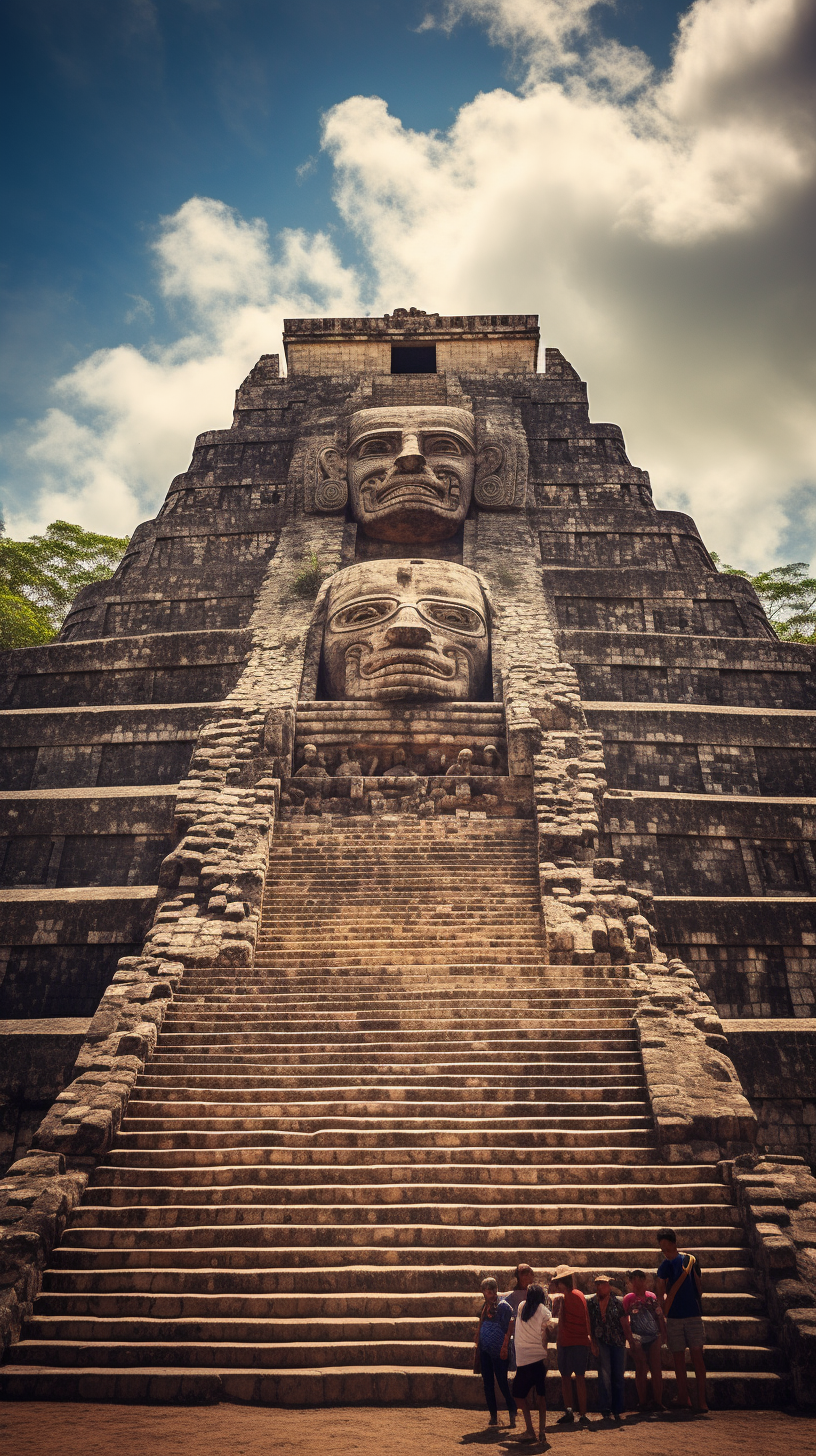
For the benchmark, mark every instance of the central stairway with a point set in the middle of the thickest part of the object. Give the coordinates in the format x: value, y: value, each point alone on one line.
x: 327, y: 1153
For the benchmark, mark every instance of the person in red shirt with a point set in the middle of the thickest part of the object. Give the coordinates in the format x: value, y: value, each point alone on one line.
x: 573, y: 1342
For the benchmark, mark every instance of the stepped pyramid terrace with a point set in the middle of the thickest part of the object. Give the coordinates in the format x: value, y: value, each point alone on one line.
x: 407, y: 871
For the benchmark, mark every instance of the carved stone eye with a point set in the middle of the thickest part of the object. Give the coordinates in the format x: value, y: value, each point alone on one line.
x: 375, y: 447
x: 362, y: 614
x: 451, y: 614
x: 442, y: 445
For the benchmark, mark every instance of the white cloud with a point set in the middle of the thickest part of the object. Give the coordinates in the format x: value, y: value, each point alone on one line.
x: 659, y: 223
x: 129, y: 417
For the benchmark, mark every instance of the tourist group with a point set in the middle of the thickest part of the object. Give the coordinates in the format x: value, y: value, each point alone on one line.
x: 514, y: 1334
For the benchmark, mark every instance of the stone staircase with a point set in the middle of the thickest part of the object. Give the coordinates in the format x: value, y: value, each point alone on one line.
x: 327, y: 1154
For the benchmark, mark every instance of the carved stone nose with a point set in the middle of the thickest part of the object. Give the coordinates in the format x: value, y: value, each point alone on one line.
x: 408, y: 636
x: 410, y: 458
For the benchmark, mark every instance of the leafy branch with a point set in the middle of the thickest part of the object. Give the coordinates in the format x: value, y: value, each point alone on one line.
x: 40, y: 577
x: 788, y: 596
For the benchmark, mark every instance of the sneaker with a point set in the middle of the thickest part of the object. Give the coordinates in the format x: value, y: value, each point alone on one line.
x: 566, y: 1419
x: 584, y: 1421
x: 606, y: 1415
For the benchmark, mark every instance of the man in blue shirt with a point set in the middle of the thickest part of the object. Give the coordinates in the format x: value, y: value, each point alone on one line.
x: 493, y: 1339
x: 678, y: 1287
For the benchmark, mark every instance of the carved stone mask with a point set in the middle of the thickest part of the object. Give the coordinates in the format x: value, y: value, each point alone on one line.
x: 405, y: 629
x: 410, y: 471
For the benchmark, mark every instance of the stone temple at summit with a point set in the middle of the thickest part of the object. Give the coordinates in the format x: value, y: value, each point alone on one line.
x: 407, y: 870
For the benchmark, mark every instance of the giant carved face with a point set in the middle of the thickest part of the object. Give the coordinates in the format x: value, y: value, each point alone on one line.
x: 405, y: 629
x: 410, y: 471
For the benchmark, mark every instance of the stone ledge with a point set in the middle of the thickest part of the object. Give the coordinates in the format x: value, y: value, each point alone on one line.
x: 83, y: 795
x: 47, y: 1026
x: 789, y: 1024
x: 21, y: 895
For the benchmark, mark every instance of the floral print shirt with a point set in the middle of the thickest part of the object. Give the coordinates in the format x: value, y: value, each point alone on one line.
x: 607, y: 1328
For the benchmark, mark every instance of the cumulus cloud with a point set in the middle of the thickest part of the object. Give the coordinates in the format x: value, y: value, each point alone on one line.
x: 657, y: 222
x: 127, y: 418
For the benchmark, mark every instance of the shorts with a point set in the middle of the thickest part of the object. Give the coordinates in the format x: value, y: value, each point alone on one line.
x: 682, y: 1332
x: 645, y: 1345
x: 528, y: 1376
x: 573, y: 1359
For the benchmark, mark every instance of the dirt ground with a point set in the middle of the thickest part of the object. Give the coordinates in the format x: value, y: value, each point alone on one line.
x: 42, y: 1428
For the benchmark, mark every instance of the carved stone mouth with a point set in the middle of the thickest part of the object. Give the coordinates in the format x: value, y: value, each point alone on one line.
x: 424, y: 488
x: 411, y: 664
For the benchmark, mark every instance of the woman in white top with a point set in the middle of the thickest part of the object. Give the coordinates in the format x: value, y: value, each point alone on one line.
x: 531, y: 1337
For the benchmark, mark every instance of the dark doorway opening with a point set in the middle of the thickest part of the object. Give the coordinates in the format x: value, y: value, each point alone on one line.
x: 407, y: 359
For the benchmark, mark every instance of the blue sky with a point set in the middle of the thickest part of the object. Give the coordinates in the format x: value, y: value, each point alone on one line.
x: 119, y: 112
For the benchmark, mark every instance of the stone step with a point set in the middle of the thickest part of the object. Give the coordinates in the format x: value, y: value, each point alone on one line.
x: 251, y: 1354
x: 623, y: 1111
x: 382, y: 923
x: 77, y: 1295
x: 443, y: 896
x: 460, y: 875
x: 341, y: 1270
x: 518, y: 921
x: 146, y: 1101
x: 465, y: 1056
x: 328, y: 1386
x: 274, y: 989
x: 281, y: 997
x: 193, y: 1085
x: 569, y: 1038
x: 468, y: 1024
x: 394, y: 1121
x: 592, y: 1181
x: 520, y: 911
x: 229, y: 1066
x: 502, y: 1196
x: 290, y: 983
x: 717, y: 1219
x: 346, y: 1283
x: 729, y: 1336
x: 398, y: 1138
x: 272, y: 1012
x: 127, y: 1233
x: 603, y: 1158
x: 522, y: 1004
x: 474, y: 960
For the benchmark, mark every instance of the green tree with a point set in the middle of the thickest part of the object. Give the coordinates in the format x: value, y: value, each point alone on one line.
x: 40, y: 577
x: 788, y: 595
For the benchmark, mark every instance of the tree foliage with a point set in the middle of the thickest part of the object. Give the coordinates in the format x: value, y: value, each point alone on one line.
x: 788, y: 595
x: 40, y: 577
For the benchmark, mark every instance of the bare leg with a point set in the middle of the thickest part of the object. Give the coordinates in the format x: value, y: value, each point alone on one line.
x: 580, y: 1391
x: 542, y: 1419
x: 566, y: 1391
x: 698, y: 1362
x: 641, y: 1372
x: 656, y: 1368
x: 528, y: 1420
x: 682, y: 1398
